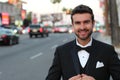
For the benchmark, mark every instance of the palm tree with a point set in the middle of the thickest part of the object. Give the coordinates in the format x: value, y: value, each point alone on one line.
x: 55, y: 1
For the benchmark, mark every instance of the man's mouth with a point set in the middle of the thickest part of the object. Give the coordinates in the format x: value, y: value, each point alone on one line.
x: 83, y: 31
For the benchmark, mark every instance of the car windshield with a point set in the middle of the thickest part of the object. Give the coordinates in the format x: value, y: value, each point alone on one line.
x: 34, y: 26
x: 4, y: 31
x: 62, y: 26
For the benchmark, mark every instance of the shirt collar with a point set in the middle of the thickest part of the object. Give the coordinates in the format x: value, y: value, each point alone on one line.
x: 89, y: 43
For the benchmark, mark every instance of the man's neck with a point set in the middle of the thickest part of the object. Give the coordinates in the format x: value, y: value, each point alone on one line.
x: 84, y: 42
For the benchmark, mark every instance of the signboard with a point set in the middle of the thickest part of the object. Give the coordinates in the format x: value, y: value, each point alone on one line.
x: 13, y: 1
x: 51, y: 17
x: 34, y: 18
x: 5, y: 18
x: 23, y: 14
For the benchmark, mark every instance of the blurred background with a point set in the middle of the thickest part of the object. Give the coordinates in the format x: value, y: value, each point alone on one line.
x: 30, y: 31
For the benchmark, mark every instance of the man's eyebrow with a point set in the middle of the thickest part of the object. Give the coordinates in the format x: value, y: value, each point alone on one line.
x: 77, y: 22
x: 86, y: 21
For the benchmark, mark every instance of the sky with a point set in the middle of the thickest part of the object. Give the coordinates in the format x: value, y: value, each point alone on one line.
x: 45, y: 6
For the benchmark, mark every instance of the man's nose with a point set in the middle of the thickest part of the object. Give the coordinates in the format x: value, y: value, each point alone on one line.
x: 82, y: 26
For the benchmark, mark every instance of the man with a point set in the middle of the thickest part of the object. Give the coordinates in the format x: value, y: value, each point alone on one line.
x: 84, y: 58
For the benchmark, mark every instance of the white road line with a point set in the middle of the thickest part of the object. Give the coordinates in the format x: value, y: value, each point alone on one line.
x: 53, y: 47
x: 35, y: 56
x: 0, y: 74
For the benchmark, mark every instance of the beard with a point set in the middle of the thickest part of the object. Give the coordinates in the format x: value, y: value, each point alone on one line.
x: 86, y: 37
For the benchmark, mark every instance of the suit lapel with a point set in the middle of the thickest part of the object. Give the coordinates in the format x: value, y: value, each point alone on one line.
x: 91, y: 64
x: 75, y: 58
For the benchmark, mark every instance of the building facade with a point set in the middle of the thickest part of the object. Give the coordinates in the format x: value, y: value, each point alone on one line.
x: 13, y: 12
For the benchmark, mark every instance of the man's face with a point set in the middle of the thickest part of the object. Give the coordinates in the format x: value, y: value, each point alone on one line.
x: 83, y: 25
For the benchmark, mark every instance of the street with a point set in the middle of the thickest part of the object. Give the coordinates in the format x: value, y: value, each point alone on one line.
x: 31, y: 58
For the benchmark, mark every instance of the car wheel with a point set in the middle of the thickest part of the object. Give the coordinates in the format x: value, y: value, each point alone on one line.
x: 17, y: 41
x: 30, y: 36
x: 42, y: 35
x: 47, y: 35
x: 36, y: 36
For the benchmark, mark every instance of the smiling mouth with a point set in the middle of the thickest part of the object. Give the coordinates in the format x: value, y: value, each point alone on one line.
x: 83, y: 31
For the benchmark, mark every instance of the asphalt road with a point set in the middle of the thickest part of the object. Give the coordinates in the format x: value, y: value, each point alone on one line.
x: 31, y: 58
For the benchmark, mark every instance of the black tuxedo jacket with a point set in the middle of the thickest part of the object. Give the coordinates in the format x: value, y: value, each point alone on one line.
x: 65, y: 63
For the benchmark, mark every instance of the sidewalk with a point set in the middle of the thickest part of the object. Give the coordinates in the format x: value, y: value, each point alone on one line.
x: 107, y: 39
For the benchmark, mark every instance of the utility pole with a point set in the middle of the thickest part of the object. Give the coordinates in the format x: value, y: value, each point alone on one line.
x: 115, y: 29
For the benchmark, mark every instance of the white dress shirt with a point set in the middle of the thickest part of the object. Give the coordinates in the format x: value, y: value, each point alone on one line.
x: 82, y: 54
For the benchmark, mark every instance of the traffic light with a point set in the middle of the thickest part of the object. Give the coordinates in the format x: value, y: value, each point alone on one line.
x: 68, y: 11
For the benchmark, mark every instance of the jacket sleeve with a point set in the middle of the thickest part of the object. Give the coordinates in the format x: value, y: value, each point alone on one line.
x: 55, y: 69
x: 114, y: 65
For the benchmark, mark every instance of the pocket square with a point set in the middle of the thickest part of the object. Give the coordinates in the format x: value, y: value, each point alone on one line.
x: 99, y: 64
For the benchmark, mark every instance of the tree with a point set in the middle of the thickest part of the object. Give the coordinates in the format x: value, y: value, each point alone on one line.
x: 115, y: 29
x: 25, y: 23
x: 29, y: 17
x: 54, y: 19
x: 66, y: 10
x: 55, y: 1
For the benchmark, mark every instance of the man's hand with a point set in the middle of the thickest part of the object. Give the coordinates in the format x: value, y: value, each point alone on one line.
x: 86, y: 77
x: 82, y: 77
x: 78, y: 77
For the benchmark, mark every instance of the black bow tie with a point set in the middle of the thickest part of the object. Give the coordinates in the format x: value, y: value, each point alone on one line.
x: 88, y: 49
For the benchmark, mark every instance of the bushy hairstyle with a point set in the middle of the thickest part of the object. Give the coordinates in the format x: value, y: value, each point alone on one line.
x: 80, y: 9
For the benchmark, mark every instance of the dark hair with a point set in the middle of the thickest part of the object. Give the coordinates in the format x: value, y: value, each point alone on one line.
x: 82, y: 9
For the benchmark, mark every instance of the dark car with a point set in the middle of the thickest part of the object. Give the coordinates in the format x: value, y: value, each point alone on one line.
x: 8, y: 37
x: 15, y: 29
x: 37, y: 29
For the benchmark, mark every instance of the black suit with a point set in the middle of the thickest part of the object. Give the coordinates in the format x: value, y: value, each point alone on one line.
x: 66, y: 64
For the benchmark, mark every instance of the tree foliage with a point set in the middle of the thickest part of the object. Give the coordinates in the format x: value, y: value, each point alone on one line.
x: 68, y: 11
x: 55, y: 1
x: 29, y: 17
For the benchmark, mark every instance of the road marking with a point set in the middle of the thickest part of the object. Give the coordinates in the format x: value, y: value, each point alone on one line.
x: 35, y: 56
x: 53, y: 47
x: 0, y: 73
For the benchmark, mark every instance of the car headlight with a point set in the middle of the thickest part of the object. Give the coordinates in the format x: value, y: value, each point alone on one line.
x: 15, y: 31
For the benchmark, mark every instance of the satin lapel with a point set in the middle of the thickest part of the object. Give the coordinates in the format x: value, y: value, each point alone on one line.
x: 91, y: 64
x: 75, y: 59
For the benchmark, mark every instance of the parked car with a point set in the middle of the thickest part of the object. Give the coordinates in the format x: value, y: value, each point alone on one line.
x: 16, y: 29
x: 60, y: 29
x: 49, y: 28
x: 8, y: 37
x: 37, y: 29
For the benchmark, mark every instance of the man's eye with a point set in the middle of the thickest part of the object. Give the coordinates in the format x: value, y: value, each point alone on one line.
x: 87, y: 21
